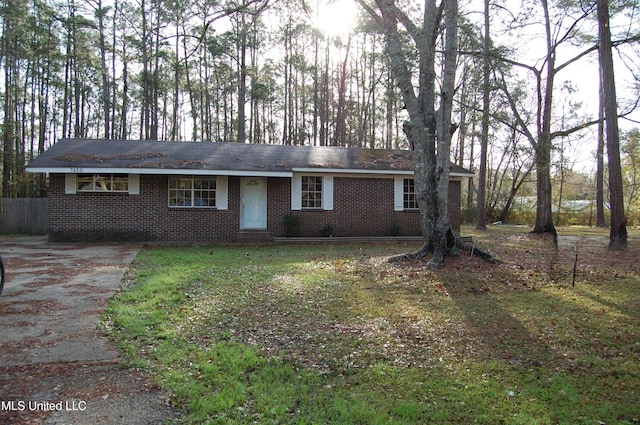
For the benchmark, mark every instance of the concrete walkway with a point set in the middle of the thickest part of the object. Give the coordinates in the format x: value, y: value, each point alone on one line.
x: 55, y: 366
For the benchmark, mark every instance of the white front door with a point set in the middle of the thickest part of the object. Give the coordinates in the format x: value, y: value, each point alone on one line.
x: 253, y: 203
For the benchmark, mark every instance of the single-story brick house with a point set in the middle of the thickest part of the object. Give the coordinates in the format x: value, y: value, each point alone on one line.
x: 119, y: 190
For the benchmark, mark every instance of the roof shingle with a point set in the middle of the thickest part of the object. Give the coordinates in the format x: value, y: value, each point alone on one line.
x: 131, y: 155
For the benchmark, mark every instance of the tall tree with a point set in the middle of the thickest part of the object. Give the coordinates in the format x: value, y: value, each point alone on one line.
x: 600, y: 221
x: 560, y: 27
x: 481, y: 222
x: 618, y: 230
x: 11, y: 30
x: 631, y: 172
x: 428, y: 128
x: 100, y: 12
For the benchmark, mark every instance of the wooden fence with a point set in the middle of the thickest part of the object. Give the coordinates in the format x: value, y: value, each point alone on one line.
x: 23, y: 216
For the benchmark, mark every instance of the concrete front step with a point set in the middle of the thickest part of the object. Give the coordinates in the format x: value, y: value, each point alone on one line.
x: 255, y: 236
x: 357, y: 239
x: 347, y: 239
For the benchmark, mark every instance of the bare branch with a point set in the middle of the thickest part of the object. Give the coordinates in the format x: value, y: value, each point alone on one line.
x: 564, y: 133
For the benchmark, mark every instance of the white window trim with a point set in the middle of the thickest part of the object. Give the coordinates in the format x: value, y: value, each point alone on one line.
x: 398, y: 193
x: 296, y: 192
x: 70, y: 184
x: 134, y: 184
x: 222, y: 192
x: 327, y: 193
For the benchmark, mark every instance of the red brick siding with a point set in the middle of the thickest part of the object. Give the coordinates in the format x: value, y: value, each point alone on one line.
x: 454, y: 204
x: 143, y: 217
x: 362, y: 207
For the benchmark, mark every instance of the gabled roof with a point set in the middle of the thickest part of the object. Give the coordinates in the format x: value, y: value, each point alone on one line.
x: 155, y: 157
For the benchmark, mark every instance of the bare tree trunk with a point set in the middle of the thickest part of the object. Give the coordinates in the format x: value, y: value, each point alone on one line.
x: 340, y: 133
x: 445, y: 131
x: 174, y: 132
x: 75, y: 71
x: 618, y: 233
x: 600, y: 221
x: 316, y: 89
x: 389, y: 113
x: 124, y: 122
x: 286, y: 139
x: 324, y: 102
x: 544, y: 217
x: 155, y: 85
x: 242, y: 78
x: 100, y: 13
x: 190, y: 90
x: 146, y: 83
x: 481, y: 223
x: 425, y: 126
x: 8, y: 130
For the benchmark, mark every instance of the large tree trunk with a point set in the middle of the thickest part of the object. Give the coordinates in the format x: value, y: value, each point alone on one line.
x: 544, y: 217
x: 426, y: 126
x: 444, y: 133
x: 618, y: 233
x: 100, y: 13
x: 422, y: 139
x: 8, y: 127
x: 481, y: 223
x: 600, y: 221
x: 242, y: 80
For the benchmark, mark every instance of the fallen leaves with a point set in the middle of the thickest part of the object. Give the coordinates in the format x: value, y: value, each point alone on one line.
x: 344, y: 314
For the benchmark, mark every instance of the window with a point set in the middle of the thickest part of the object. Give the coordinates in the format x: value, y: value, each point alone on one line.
x: 409, y: 195
x: 192, y: 191
x: 311, y: 192
x: 102, y: 183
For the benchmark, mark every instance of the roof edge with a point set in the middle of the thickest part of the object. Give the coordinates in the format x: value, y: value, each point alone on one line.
x: 156, y: 171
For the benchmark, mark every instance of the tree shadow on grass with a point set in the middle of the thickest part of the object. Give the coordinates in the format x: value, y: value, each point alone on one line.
x: 496, y: 334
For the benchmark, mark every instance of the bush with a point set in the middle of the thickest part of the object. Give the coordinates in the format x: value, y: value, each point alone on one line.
x: 291, y: 224
x: 468, y: 215
x: 327, y: 230
x: 395, y: 230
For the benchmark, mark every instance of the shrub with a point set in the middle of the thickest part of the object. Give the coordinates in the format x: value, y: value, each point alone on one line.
x: 395, y: 230
x: 327, y: 230
x: 291, y: 224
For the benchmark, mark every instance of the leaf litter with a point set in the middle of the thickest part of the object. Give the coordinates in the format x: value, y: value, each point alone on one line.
x: 337, y: 313
x: 333, y: 314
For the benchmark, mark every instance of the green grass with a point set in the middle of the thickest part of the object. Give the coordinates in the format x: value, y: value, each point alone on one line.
x: 335, y: 335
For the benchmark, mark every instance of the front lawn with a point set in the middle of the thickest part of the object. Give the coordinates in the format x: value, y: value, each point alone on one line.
x: 333, y: 334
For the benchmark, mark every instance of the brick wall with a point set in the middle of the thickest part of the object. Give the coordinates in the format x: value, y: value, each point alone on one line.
x: 144, y: 217
x: 362, y: 207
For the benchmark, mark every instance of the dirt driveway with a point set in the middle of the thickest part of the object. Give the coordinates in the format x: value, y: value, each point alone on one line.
x: 55, y: 366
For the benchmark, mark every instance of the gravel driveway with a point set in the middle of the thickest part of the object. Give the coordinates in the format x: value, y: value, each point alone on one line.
x: 55, y: 366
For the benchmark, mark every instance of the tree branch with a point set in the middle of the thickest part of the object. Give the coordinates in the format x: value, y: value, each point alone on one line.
x: 564, y: 133
x: 372, y: 13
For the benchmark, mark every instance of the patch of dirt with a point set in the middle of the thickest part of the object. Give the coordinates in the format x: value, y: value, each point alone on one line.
x: 80, y: 393
x: 539, y: 261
